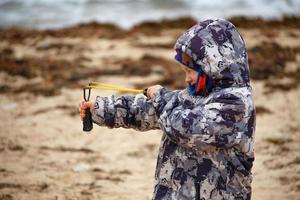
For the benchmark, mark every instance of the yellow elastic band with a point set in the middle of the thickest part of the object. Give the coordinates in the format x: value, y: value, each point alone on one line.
x: 97, y: 84
x: 105, y: 86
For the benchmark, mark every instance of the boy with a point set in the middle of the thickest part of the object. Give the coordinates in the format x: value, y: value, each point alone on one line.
x: 206, y: 150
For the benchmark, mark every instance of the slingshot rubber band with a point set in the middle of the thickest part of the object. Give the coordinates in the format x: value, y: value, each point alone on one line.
x: 105, y: 86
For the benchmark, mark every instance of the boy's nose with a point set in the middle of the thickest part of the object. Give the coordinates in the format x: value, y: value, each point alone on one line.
x: 188, y: 80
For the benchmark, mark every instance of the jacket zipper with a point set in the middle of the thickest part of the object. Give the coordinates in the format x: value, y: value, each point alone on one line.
x: 197, y: 187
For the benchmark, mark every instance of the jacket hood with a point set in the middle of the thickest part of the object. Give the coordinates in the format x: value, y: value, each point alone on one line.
x: 218, y: 47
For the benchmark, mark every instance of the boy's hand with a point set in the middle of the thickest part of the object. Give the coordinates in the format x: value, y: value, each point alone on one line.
x: 152, y: 89
x: 85, y: 105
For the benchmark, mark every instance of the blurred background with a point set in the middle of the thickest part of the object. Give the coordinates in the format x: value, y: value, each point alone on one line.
x: 126, y: 13
x: 50, y: 49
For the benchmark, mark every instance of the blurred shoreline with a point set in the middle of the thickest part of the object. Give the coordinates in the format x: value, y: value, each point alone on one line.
x: 55, y: 14
x: 183, y: 22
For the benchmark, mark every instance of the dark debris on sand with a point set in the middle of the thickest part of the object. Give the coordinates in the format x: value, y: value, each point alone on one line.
x: 269, y: 59
x: 146, y: 65
x: 259, y: 23
x: 55, y: 73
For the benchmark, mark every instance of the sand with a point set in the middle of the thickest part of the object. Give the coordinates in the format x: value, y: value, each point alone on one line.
x: 44, y: 154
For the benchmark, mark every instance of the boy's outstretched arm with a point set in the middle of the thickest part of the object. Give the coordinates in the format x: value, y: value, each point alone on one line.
x: 127, y: 111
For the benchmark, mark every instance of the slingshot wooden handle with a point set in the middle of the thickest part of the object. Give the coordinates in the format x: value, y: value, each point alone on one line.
x: 87, y: 120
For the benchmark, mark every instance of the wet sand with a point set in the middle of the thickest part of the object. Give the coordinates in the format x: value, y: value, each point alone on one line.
x: 45, y: 155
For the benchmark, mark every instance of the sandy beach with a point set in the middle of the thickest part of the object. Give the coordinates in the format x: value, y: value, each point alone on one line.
x: 44, y: 154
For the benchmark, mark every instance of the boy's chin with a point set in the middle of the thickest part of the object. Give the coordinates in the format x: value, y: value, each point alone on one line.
x: 192, y: 89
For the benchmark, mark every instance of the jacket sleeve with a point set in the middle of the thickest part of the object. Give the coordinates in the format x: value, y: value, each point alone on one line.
x: 126, y: 111
x: 219, y: 124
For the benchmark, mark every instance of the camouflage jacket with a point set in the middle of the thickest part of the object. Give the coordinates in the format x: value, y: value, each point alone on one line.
x: 206, y: 150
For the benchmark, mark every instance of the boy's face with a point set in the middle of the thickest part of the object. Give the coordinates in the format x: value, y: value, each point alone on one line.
x: 190, y: 75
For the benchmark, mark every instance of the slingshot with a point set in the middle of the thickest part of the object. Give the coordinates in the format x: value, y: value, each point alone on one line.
x: 87, y: 120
